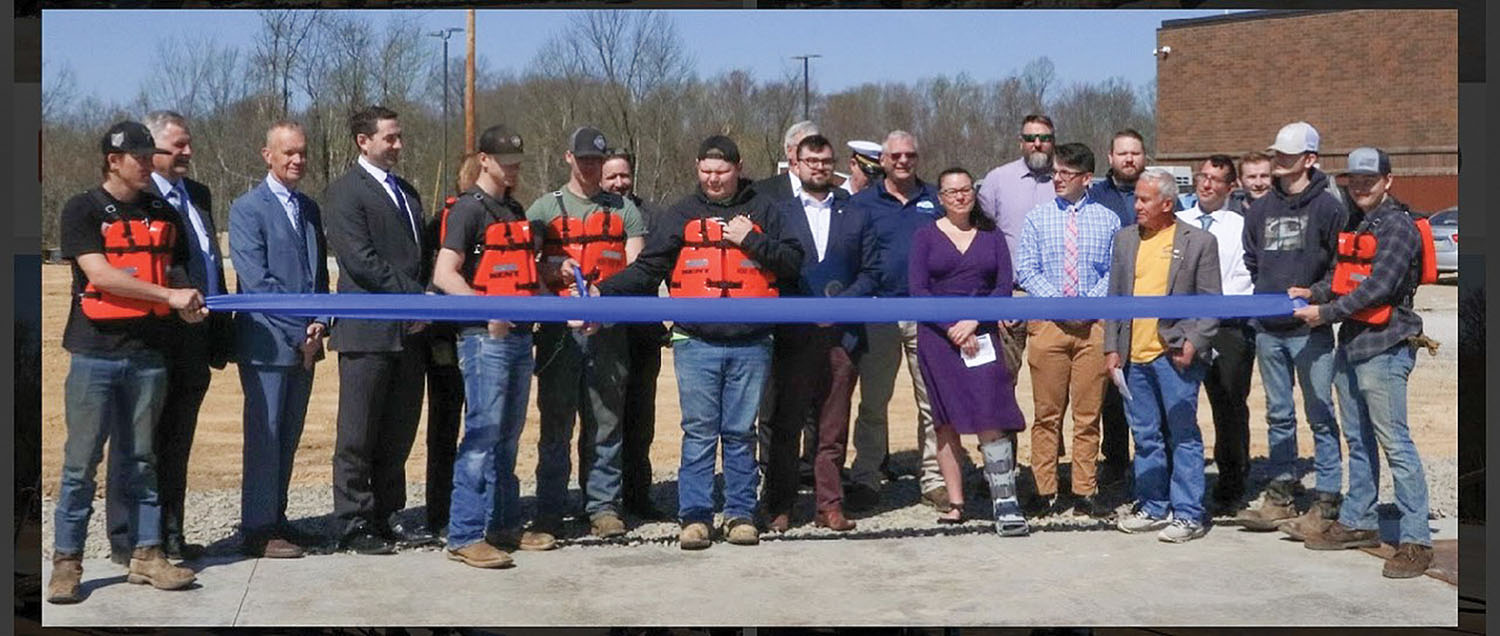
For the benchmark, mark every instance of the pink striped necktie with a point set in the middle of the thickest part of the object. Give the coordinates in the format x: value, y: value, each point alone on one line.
x: 1070, y: 254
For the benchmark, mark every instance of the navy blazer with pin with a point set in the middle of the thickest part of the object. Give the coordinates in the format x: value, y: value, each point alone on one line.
x: 272, y: 257
x: 850, y: 266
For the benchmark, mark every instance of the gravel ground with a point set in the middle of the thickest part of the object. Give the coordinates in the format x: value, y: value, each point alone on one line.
x: 214, y: 514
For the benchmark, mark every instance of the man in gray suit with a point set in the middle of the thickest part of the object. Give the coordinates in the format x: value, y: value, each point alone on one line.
x: 277, y: 246
x: 375, y: 232
x: 1161, y: 362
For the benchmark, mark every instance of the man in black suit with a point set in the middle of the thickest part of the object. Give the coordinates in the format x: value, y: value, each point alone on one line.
x: 775, y: 190
x: 199, y: 346
x: 814, y: 372
x: 374, y: 226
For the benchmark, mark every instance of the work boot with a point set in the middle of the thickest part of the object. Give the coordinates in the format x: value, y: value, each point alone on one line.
x: 741, y: 532
x: 1000, y: 474
x: 1321, y: 514
x: 938, y: 499
x: 67, y: 576
x: 1276, y: 506
x: 481, y: 554
x: 1341, y: 537
x: 150, y: 565
x: 1411, y: 560
x: 607, y: 525
x: 695, y: 536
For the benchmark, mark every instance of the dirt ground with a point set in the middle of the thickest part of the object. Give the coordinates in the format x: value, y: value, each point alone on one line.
x: 216, y: 457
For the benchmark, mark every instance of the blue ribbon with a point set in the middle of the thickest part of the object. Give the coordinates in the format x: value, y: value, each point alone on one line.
x: 613, y: 309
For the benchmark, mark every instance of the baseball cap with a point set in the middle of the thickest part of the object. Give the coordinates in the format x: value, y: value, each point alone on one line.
x: 1296, y: 138
x: 500, y: 142
x: 719, y: 147
x: 587, y: 142
x: 866, y: 156
x: 130, y: 137
x: 1369, y: 160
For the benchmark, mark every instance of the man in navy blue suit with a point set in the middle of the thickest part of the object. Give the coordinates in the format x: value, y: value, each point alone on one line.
x: 814, y: 367
x: 277, y: 246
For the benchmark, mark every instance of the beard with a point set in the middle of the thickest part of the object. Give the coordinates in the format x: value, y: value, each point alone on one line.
x: 1038, y: 161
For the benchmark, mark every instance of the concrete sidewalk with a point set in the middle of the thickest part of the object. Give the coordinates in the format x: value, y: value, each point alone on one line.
x: 1088, y: 577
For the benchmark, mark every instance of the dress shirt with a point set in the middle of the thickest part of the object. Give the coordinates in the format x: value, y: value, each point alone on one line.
x: 1228, y: 229
x: 1011, y: 191
x: 819, y: 216
x: 288, y: 202
x: 1039, y: 256
x: 398, y: 199
x: 195, y: 220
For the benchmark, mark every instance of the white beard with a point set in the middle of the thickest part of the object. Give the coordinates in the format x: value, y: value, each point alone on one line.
x: 1037, y: 161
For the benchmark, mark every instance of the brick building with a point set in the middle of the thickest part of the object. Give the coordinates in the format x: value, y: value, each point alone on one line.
x: 1386, y: 78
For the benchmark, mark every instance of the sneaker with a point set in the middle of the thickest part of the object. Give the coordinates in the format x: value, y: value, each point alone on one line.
x: 1182, y: 531
x: 607, y: 525
x: 1269, y: 515
x: 1411, y: 560
x: 481, y: 554
x: 1139, y: 522
x: 741, y: 532
x: 67, y: 576
x: 695, y: 536
x: 150, y: 566
x: 1341, y: 537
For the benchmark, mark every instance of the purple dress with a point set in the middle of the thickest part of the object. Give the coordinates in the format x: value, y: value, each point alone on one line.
x: 969, y: 399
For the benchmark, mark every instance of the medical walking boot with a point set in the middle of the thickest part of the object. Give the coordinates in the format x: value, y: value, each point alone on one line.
x: 1000, y: 473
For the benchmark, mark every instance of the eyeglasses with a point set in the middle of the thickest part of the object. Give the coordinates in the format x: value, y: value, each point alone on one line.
x: 1067, y: 174
x: 1040, y: 137
x: 816, y: 161
x: 1201, y: 177
x: 901, y: 155
x: 953, y: 192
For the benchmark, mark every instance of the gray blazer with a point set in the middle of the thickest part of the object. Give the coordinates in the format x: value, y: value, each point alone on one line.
x: 1194, y: 270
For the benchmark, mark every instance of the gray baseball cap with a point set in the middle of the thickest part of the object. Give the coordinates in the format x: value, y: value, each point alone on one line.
x: 1369, y: 160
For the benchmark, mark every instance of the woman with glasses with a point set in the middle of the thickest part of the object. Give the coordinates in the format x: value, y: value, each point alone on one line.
x: 963, y: 254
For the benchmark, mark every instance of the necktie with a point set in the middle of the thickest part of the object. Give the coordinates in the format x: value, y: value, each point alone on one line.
x: 1070, y: 254
x: 390, y: 181
x: 179, y: 199
x: 1206, y: 220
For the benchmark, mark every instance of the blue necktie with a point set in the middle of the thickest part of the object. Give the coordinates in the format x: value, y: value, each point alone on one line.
x: 179, y: 199
x: 390, y: 180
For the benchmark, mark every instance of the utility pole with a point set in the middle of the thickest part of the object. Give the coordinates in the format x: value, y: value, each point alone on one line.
x: 444, y: 35
x: 806, y: 110
x: 469, y: 91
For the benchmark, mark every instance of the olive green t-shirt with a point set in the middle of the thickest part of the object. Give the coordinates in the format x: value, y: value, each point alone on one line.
x: 545, y: 208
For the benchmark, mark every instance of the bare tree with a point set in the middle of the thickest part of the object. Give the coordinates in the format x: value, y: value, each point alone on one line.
x: 1036, y: 77
x: 279, y: 47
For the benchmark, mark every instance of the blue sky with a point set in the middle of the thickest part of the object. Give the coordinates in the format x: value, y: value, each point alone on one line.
x: 857, y: 46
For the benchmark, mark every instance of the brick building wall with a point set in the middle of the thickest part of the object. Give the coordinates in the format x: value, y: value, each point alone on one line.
x: 1387, y: 78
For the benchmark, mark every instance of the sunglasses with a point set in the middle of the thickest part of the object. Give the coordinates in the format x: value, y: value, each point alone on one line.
x: 1039, y: 137
x: 902, y: 155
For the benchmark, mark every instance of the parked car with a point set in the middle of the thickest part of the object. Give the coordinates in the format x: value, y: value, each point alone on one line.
x: 1445, y: 239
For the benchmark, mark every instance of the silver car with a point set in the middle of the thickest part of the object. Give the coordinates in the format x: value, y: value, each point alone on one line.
x: 1445, y: 239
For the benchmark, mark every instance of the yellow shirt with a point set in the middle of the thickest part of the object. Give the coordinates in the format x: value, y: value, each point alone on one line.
x: 1152, y: 264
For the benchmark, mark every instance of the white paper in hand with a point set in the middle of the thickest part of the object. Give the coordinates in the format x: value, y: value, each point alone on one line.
x: 1118, y: 376
x: 985, y: 354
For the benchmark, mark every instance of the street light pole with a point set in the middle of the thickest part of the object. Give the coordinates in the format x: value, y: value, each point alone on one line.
x: 445, y: 34
x: 805, y: 108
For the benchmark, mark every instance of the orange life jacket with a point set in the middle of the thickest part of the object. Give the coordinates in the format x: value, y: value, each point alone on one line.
x: 507, y: 259
x: 1356, y: 256
x: 709, y: 266
x: 443, y: 219
x: 596, y: 242
x: 140, y: 247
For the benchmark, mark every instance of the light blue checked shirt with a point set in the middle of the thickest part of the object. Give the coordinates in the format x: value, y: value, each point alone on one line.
x: 1039, y: 258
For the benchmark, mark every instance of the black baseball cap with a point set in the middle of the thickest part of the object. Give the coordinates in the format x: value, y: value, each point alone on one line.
x: 719, y: 147
x: 502, y: 143
x: 587, y: 142
x: 130, y: 137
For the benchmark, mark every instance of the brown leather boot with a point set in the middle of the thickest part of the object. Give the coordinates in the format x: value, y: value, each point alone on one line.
x: 150, y: 565
x: 67, y: 575
x: 833, y: 519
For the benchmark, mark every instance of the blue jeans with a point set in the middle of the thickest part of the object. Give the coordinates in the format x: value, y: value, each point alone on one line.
x: 579, y: 377
x: 1160, y: 392
x: 1372, y: 398
x: 497, y: 383
x: 117, y: 399
x: 719, y: 388
x: 1310, y: 357
x: 275, y: 408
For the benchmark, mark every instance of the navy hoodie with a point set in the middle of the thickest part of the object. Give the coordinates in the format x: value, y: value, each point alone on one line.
x: 1290, y: 240
x: 774, y: 250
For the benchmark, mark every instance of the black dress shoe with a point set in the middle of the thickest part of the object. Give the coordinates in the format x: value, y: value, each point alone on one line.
x: 412, y: 534
x: 366, y: 541
x: 859, y: 497
x: 177, y: 547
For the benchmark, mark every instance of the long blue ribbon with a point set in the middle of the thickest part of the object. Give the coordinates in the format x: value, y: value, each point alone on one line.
x: 611, y: 309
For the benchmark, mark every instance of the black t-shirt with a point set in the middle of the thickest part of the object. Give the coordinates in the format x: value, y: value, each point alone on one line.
x: 468, y: 219
x: 81, y: 225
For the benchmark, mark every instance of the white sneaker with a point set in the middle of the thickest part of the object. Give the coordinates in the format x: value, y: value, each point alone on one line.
x: 1182, y: 531
x: 1138, y: 522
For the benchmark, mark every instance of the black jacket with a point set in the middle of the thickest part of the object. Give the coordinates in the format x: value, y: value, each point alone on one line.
x: 1290, y: 241
x: 770, y: 247
x: 210, y: 342
x: 372, y: 242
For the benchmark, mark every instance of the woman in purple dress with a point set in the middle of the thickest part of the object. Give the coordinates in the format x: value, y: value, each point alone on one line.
x: 963, y: 254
